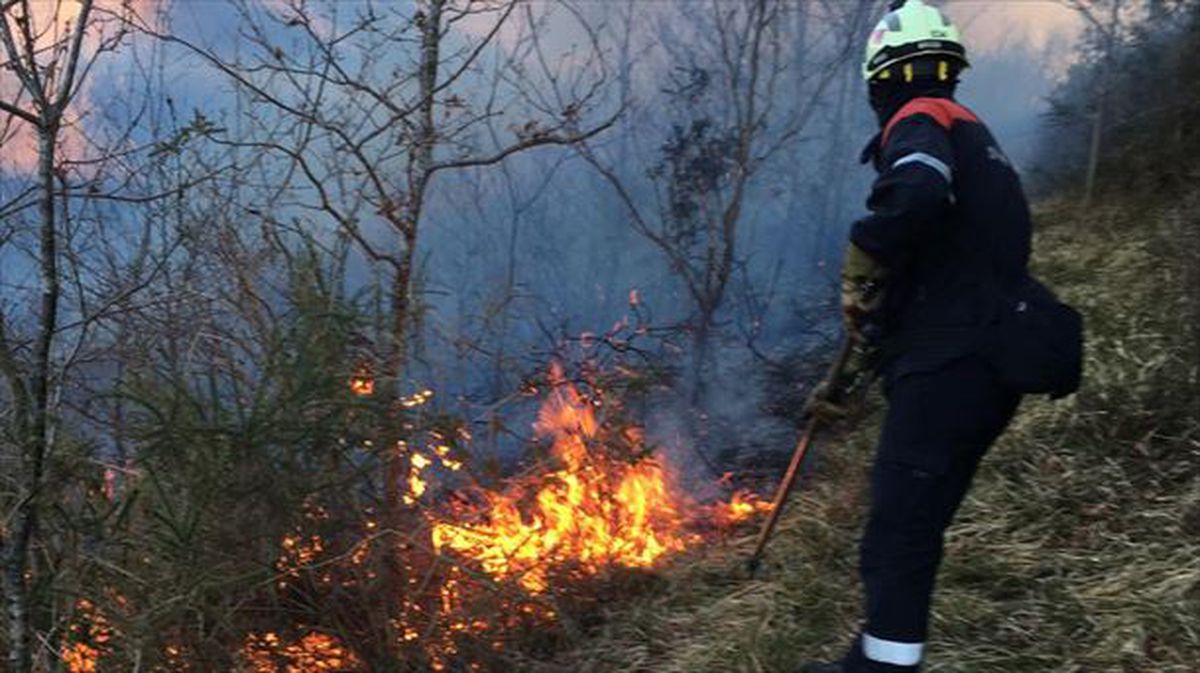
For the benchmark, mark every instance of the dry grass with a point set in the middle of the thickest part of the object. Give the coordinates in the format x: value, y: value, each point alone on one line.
x: 1078, y: 549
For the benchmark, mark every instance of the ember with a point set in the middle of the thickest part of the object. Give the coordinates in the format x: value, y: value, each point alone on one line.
x: 88, y: 639
x: 268, y: 653
x: 362, y: 383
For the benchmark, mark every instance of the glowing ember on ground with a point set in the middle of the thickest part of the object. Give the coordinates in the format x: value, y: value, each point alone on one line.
x: 363, y: 386
x: 268, y: 653
x: 88, y: 639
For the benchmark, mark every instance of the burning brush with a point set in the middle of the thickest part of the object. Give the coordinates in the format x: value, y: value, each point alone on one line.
x: 502, y: 561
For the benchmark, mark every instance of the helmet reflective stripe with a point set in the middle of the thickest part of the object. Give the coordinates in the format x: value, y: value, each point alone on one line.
x: 910, y: 30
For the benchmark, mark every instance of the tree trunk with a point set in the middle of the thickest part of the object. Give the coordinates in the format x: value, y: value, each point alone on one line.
x: 400, y: 307
x: 409, y: 565
x: 1110, y: 36
x: 700, y: 352
x: 406, y: 222
x: 1089, y: 186
x: 37, y: 438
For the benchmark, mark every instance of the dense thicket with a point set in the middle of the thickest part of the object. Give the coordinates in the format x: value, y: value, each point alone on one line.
x: 1140, y: 76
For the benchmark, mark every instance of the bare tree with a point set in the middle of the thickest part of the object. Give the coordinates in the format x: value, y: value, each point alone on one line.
x: 368, y: 104
x: 75, y: 217
x: 47, y: 86
x: 1105, y: 19
x: 738, y: 115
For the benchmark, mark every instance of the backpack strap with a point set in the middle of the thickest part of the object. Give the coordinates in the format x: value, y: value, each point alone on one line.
x: 943, y: 110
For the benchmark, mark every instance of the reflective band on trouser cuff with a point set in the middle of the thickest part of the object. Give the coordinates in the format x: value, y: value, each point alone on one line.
x: 892, y: 652
x: 927, y: 159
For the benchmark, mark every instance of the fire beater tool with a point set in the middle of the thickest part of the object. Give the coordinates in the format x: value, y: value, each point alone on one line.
x: 836, y: 370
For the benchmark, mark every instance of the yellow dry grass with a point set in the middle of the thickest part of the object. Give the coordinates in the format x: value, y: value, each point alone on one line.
x: 1078, y: 549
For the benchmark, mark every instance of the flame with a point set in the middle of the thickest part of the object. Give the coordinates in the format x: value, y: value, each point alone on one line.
x: 741, y: 507
x: 362, y: 385
x: 315, y: 651
x: 443, y: 453
x: 593, y: 512
x: 177, y: 658
x: 416, y: 399
x: 416, y: 482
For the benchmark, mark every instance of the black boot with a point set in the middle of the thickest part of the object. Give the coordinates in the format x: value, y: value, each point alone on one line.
x: 862, y: 667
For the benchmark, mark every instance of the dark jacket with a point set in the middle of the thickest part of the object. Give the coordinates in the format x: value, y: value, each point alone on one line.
x: 949, y: 220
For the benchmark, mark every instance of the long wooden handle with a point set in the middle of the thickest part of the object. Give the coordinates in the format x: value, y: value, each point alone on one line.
x: 781, y: 494
x: 793, y: 470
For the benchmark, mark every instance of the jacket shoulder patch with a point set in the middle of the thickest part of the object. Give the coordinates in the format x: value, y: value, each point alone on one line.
x: 945, y: 112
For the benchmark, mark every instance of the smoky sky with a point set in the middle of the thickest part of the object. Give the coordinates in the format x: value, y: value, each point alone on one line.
x: 516, y: 258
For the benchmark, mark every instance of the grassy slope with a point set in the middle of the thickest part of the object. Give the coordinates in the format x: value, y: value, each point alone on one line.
x: 1079, y: 547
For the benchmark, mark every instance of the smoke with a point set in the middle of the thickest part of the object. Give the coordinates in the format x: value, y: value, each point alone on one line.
x: 545, y: 242
x: 1019, y: 51
x: 518, y: 260
x: 992, y: 27
x: 52, y: 24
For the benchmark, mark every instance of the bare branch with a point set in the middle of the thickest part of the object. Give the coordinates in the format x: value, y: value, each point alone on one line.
x: 19, y: 113
x: 530, y: 143
x: 67, y: 84
x: 16, y: 61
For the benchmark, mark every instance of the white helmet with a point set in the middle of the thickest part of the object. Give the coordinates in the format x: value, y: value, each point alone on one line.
x: 909, y: 30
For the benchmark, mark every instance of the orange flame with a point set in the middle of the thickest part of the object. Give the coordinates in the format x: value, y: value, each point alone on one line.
x: 742, y: 506
x: 602, y: 503
x: 593, y: 512
x: 362, y: 385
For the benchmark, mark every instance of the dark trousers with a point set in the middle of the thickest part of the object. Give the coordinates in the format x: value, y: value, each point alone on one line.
x: 939, y: 425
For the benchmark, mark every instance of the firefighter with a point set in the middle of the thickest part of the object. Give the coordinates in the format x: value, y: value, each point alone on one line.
x: 947, y: 224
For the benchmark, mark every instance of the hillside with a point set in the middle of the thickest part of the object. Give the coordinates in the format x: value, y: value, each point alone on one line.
x: 1079, y: 547
x: 456, y: 336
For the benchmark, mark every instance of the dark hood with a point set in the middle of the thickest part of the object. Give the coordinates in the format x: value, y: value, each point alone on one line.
x: 887, y: 99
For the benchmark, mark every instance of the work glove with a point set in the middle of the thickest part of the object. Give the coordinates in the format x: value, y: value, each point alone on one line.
x: 822, y: 404
x: 863, y: 290
x: 839, y: 397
